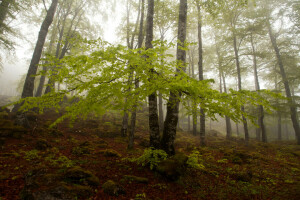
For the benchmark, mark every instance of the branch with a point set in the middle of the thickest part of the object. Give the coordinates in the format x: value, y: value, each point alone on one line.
x: 45, y: 5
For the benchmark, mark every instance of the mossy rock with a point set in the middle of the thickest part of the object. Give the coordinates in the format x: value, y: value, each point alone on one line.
x: 77, y: 175
x: 31, y: 116
x: 42, y: 145
x: 145, y: 143
x: 110, y: 153
x: 55, y: 132
x: 112, y: 188
x: 80, y: 151
x: 244, y: 176
x: 173, y: 167
x: 8, y: 129
x: 130, y: 178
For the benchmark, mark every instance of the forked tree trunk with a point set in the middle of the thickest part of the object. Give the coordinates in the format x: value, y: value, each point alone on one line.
x: 171, y: 121
x: 29, y: 81
x: 293, y: 108
x: 133, y: 113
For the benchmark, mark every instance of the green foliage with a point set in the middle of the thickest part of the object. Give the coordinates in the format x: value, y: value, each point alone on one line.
x: 99, y: 76
x: 32, y: 155
x: 195, y: 161
x: 151, y: 157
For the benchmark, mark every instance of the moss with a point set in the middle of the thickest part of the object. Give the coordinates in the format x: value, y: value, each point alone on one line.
x: 112, y: 188
x: 110, y: 153
x: 136, y: 179
x: 79, y: 176
x: 4, y: 115
x: 173, y: 167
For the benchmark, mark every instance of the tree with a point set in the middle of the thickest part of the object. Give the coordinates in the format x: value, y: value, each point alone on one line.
x: 171, y: 121
x: 29, y: 81
x: 140, y: 44
x: 200, y: 65
x: 153, y: 115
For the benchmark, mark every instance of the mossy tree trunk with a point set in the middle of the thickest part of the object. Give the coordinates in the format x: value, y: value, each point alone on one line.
x: 171, y: 121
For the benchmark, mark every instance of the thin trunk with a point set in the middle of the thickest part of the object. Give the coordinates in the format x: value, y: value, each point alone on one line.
x: 237, y: 130
x: 261, y: 131
x: 194, y: 110
x: 200, y: 65
x: 293, y: 108
x: 160, y: 112
x: 29, y: 81
x: 133, y: 113
x: 171, y: 121
x: 237, y: 61
x: 43, y: 77
x: 279, y: 129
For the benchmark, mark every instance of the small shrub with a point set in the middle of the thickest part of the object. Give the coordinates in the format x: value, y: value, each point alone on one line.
x: 32, y: 155
x: 195, y: 161
x: 151, y: 157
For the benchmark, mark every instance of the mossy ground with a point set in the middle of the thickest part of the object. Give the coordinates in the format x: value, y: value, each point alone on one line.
x: 231, y: 170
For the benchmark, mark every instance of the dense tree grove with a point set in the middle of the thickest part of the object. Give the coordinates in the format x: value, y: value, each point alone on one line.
x: 236, y: 39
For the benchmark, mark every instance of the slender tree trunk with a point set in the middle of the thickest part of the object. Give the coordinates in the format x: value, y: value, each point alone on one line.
x: 279, y: 129
x: 261, y: 131
x: 222, y: 77
x: 171, y: 121
x: 237, y: 130
x: 160, y: 112
x: 200, y: 65
x: 237, y: 61
x: 293, y: 108
x: 194, y: 106
x: 133, y: 113
x: 29, y: 81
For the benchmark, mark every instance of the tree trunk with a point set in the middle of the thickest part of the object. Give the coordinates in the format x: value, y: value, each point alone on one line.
x: 237, y: 61
x: 152, y: 98
x: 293, y: 108
x: 200, y: 65
x: 29, y: 81
x: 171, y: 121
x: 261, y: 131
x: 160, y: 112
x: 133, y: 113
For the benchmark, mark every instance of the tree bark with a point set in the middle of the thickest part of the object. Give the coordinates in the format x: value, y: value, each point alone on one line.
x: 261, y: 131
x: 171, y: 121
x: 133, y: 113
x: 29, y: 81
x: 237, y: 61
x: 153, y: 112
x: 293, y: 108
x: 200, y: 65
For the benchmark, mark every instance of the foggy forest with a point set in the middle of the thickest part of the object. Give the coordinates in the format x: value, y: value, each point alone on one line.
x: 149, y: 99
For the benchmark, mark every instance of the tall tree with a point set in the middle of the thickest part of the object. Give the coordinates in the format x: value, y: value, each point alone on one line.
x: 201, y: 78
x: 29, y: 81
x: 153, y: 115
x: 293, y: 107
x: 133, y: 113
x: 171, y: 121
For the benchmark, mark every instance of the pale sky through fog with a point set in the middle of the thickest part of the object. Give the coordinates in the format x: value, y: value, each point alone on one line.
x: 16, y: 64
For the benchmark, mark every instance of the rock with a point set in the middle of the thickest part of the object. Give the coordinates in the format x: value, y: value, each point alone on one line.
x: 135, y: 179
x: 8, y: 129
x: 213, y: 133
x: 4, y: 115
x: 112, y: 188
x: 77, y: 175
x: 75, y: 183
x: 173, y: 167
x: 42, y: 145
x: 110, y: 153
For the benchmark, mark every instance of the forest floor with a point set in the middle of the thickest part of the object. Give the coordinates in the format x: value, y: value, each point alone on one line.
x: 35, y: 159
